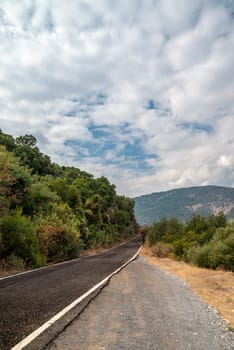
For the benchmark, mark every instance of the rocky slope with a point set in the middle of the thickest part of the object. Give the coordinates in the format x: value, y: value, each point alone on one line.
x: 182, y: 203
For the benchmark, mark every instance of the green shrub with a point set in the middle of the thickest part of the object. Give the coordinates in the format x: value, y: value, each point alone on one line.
x: 58, y: 234
x: 199, y: 256
x: 123, y: 218
x: 19, y: 239
x: 167, y: 230
x: 163, y: 250
x: 57, y: 244
x: 218, y: 252
x: 14, y: 262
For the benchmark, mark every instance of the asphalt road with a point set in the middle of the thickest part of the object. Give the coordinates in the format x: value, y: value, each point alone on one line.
x: 145, y: 308
x: 29, y: 300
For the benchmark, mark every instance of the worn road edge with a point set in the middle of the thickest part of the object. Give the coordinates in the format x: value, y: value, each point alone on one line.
x: 60, y: 314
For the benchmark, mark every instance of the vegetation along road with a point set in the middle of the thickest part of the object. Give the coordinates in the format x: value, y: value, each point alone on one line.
x: 29, y: 300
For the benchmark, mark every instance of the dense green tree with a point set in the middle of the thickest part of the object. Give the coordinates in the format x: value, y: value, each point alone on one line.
x: 218, y: 220
x: 22, y: 182
x: 123, y: 218
x: 32, y: 158
x: 86, y: 187
x: 19, y: 239
x: 6, y: 179
x: 106, y: 191
x: 218, y: 252
x: 7, y: 141
x: 72, y: 173
x: 49, y: 212
x: 93, y: 206
x: 26, y: 140
x: 14, y: 181
x: 197, y: 224
x: 58, y: 234
x: 158, y: 231
x: 39, y: 199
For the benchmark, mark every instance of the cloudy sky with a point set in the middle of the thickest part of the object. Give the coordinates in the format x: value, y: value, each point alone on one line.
x: 140, y: 91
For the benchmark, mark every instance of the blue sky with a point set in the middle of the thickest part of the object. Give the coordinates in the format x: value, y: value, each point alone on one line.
x: 139, y: 91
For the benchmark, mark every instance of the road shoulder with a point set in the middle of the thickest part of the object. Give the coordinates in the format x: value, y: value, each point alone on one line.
x: 144, y: 307
x: 214, y: 287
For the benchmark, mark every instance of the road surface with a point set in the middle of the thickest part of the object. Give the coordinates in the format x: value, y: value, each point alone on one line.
x: 29, y: 300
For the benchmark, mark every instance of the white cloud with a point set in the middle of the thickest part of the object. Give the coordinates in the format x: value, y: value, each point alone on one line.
x: 225, y: 161
x: 57, y: 58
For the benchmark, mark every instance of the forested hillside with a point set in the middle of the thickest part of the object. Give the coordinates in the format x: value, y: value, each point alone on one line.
x: 183, y: 203
x: 50, y: 212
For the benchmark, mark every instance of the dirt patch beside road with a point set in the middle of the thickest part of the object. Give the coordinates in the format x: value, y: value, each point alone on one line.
x: 216, y: 288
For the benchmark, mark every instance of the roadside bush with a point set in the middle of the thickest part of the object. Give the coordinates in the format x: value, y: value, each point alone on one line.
x: 218, y: 252
x: 206, y: 242
x: 163, y: 250
x: 167, y: 230
x: 19, y: 239
x: 58, y: 234
x: 39, y: 199
x: 222, y: 249
x: 199, y: 256
x: 56, y: 243
x: 99, y: 237
x: 14, y: 262
x: 123, y: 218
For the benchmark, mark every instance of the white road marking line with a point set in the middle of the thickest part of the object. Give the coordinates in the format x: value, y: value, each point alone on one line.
x: 49, y: 323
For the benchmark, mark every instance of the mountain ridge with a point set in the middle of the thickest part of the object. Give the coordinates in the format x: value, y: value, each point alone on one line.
x: 182, y: 203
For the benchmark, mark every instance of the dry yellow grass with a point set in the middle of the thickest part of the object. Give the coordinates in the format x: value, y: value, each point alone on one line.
x: 216, y: 288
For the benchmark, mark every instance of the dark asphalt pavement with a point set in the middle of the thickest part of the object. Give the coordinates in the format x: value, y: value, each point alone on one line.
x: 29, y: 300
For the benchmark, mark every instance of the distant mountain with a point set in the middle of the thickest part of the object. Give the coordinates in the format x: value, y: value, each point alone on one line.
x: 182, y: 203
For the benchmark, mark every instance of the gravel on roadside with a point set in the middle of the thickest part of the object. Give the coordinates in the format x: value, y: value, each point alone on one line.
x: 144, y: 307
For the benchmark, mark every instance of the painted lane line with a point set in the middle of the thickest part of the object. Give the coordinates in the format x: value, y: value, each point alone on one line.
x: 55, y: 318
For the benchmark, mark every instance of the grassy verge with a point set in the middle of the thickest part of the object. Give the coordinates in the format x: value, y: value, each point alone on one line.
x: 215, y: 287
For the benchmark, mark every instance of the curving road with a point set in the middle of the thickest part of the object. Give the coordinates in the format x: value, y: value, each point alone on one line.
x: 28, y: 300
